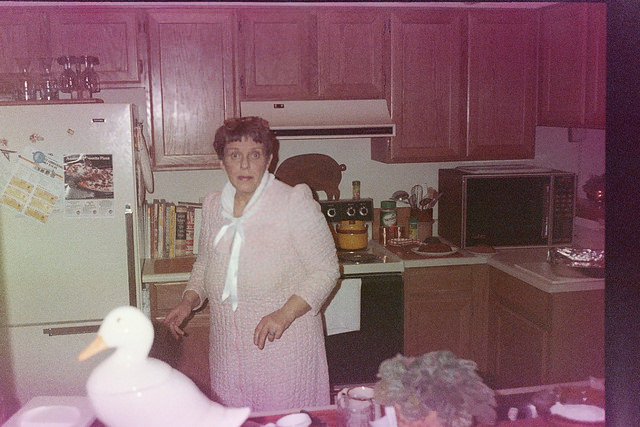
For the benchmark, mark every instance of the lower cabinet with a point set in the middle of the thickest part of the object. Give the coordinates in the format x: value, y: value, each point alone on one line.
x: 445, y: 309
x: 536, y: 337
x: 190, y: 354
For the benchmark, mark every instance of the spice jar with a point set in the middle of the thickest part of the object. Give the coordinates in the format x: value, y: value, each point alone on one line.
x: 388, y: 215
x: 356, y: 189
x: 413, y: 228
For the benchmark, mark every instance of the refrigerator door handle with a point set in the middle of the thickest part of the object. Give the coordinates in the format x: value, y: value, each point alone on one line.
x: 131, y: 261
x: 71, y: 330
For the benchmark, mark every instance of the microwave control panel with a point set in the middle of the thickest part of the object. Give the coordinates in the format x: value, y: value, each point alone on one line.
x: 564, y: 192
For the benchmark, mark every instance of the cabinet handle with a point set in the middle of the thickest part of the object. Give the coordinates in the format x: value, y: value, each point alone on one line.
x: 71, y: 330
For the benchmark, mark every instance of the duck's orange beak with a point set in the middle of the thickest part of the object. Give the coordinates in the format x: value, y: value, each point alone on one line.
x: 96, y: 346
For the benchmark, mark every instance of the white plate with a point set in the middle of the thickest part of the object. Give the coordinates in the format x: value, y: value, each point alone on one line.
x: 581, y: 413
x: 54, y: 411
x: 416, y: 251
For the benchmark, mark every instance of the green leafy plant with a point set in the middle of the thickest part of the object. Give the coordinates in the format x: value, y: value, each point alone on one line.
x: 436, y: 381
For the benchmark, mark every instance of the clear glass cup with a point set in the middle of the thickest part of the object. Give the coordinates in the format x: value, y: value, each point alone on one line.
x: 48, y: 85
x: 89, y: 76
x: 27, y: 91
x: 68, y: 81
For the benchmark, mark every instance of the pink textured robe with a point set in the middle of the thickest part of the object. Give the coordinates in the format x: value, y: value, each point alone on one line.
x: 288, y: 249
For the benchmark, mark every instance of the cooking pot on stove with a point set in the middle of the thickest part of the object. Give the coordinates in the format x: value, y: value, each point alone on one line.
x: 352, y: 235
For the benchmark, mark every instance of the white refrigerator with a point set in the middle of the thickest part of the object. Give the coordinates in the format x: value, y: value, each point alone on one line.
x: 70, y: 237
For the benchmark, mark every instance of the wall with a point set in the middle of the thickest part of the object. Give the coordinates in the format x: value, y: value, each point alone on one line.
x: 379, y: 180
x: 586, y: 157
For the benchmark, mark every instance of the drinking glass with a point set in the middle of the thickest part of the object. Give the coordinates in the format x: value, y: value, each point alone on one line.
x: 26, y: 91
x: 89, y: 76
x: 48, y: 85
x: 68, y: 78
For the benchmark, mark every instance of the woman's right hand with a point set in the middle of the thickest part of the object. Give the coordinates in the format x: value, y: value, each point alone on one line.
x: 176, y: 317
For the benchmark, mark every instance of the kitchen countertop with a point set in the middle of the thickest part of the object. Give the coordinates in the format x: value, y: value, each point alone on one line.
x: 526, y: 264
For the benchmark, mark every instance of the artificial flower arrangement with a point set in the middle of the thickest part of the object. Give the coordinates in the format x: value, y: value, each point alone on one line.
x: 435, y: 389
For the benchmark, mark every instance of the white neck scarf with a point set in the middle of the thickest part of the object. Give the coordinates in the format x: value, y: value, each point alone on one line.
x: 235, y: 224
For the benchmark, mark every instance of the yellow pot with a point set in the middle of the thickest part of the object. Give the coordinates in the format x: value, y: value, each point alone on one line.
x: 352, y: 235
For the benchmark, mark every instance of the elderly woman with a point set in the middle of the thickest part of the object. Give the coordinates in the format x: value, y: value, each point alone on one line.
x: 266, y: 263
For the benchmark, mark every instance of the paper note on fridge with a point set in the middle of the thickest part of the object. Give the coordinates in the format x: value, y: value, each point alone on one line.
x: 35, y: 185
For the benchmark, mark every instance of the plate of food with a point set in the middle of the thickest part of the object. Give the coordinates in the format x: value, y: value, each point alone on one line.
x: 482, y: 249
x: 434, y: 249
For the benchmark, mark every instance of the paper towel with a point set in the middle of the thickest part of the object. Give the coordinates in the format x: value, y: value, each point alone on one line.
x: 343, y: 312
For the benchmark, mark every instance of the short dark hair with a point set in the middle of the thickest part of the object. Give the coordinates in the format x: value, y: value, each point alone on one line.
x: 236, y: 128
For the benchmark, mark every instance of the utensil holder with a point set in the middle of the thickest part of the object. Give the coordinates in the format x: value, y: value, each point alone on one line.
x: 425, y: 222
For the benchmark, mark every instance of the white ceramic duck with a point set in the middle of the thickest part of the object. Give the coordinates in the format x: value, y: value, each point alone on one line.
x: 131, y: 389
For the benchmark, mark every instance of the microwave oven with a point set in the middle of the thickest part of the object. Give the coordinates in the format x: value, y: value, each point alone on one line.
x: 506, y: 206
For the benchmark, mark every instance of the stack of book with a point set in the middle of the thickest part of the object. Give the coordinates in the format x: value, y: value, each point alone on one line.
x: 171, y: 229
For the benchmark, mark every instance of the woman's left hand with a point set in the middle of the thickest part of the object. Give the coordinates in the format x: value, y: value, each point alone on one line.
x: 273, y: 325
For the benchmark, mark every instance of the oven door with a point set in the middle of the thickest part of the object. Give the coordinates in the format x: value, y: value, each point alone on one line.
x: 354, y: 357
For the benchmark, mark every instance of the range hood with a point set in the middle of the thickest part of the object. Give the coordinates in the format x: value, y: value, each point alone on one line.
x: 334, y: 119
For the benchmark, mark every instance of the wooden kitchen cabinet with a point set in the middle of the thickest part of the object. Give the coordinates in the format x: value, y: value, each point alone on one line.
x: 353, y: 54
x: 445, y: 309
x: 23, y: 35
x: 191, y: 84
x: 573, y: 65
x: 463, y: 86
x: 312, y: 54
x: 536, y: 337
x: 190, y: 354
x: 503, y: 47
x: 109, y: 34
x: 428, y: 95
x: 275, y: 54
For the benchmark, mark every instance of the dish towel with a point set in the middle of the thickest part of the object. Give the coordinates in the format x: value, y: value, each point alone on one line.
x: 343, y: 312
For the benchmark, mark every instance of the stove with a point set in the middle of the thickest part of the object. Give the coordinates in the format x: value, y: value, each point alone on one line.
x: 375, y: 259
x: 380, y: 336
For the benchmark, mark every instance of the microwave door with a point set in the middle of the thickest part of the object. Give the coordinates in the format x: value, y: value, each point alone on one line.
x: 507, y: 211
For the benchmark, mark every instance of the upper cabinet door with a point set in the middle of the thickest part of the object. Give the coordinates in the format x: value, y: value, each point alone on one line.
x: 563, y: 61
x: 21, y: 36
x: 191, y: 78
x: 573, y: 65
x: 428, y: 93
x: 502, y: 84
x: 110, y: 35
x: 276, y: 54
x: 353, y: 54
x: 596, y: 97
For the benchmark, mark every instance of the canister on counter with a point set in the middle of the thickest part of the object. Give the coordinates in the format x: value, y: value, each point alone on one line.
x: 388, y: 215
